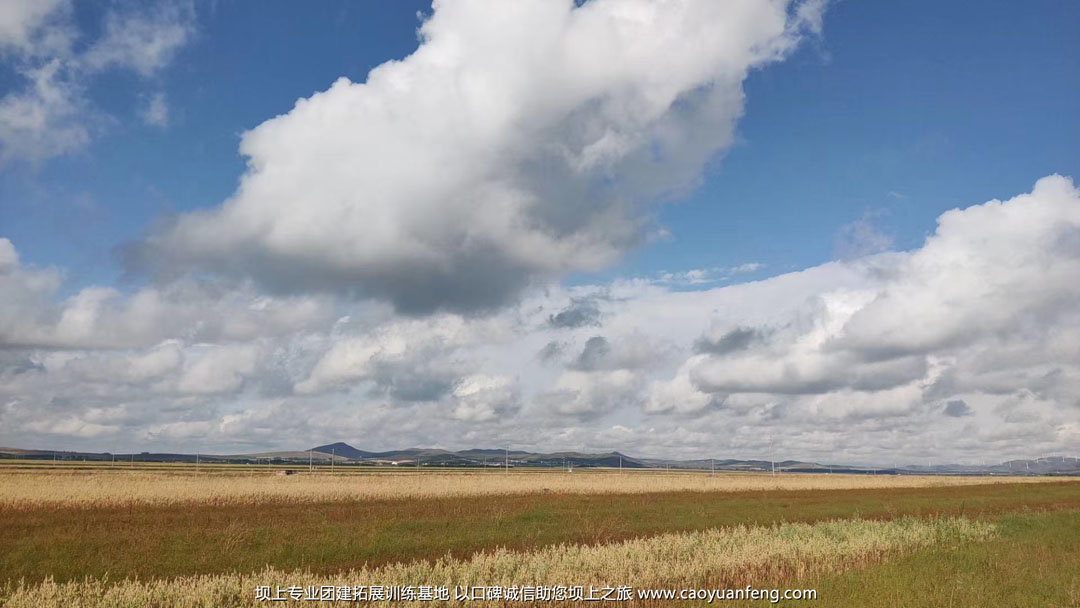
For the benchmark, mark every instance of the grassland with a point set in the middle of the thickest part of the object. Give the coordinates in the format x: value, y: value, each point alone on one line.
x: 97, y: 532
x: 716, y: 558
x: 182, y: 539
x: 1032, y: 562
x: 33, y: 488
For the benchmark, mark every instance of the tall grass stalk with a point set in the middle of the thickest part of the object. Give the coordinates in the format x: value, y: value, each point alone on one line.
x: 719, y: 558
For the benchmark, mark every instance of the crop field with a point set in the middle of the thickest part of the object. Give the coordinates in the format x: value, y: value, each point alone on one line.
x: 227, y: 537
x: 104, y: 485
x: 729, y: 557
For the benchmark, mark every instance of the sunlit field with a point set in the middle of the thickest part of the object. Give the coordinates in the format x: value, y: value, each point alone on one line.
x: 104, y: 485
x: 716, y: 558
x: 167, y: 535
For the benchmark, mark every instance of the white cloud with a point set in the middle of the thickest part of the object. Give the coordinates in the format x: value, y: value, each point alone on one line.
x: 480, y: 398
x: 22, y: 24
x: 9, y: 258
x: 679, y: 394
x: 995, y: 269
x: 983, y: 314
x: 414, y: 359
x: 47, y: 118
x: 31, y: 316
x: 49, y: 114
x: 862, y: 237
x: 138, y: 367
x: 473, y: 197
x: 156, y: 110
x: 747, y: 268
x: 520, y: 141
x: 592, y: 394
x: 219, y: 369
x: 809, y: 364
x: 141, y: 41
x: 706, y: 276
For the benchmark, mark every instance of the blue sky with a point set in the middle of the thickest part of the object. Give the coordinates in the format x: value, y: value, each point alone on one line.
x: 681, y: 228
x: 927, y: 100
x: 899, y: 110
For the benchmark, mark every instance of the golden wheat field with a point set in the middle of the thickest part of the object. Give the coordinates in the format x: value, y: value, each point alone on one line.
x: 716, y: 558
x: 20, y: 489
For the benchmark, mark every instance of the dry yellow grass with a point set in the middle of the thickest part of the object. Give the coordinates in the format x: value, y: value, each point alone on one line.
x: 724, y: 558
x: 21, y: 490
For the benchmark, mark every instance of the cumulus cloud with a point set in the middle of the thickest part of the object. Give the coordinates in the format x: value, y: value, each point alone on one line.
x: 551, y: 351
x: 219, y: 369
x: 593, y: 356
x: 799, y: 361
x: 462, y: 183
x: 679, y: 394
x: 957, y: 408
x: 409, y: 358
x: 739, y: 338
x: 9, y: 257
x: 580, y: 313
x: 981, y: 312
x: 481, y: 398
x: 519, y: 142
x: 33, y: 316
x: 996, y: 269
x: 133, y: 368
x: 810, y: 364
x: 628, y: 352
x: 588, y: 395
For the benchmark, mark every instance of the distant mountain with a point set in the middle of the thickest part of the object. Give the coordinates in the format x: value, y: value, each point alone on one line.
x: 498, y: 457
x: 343, y: 449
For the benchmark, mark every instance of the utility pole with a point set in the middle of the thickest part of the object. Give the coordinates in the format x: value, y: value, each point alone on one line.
x: 333, y: 454
x: 310, y: 466
x: 620, y: 463
x: 507, y: 459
